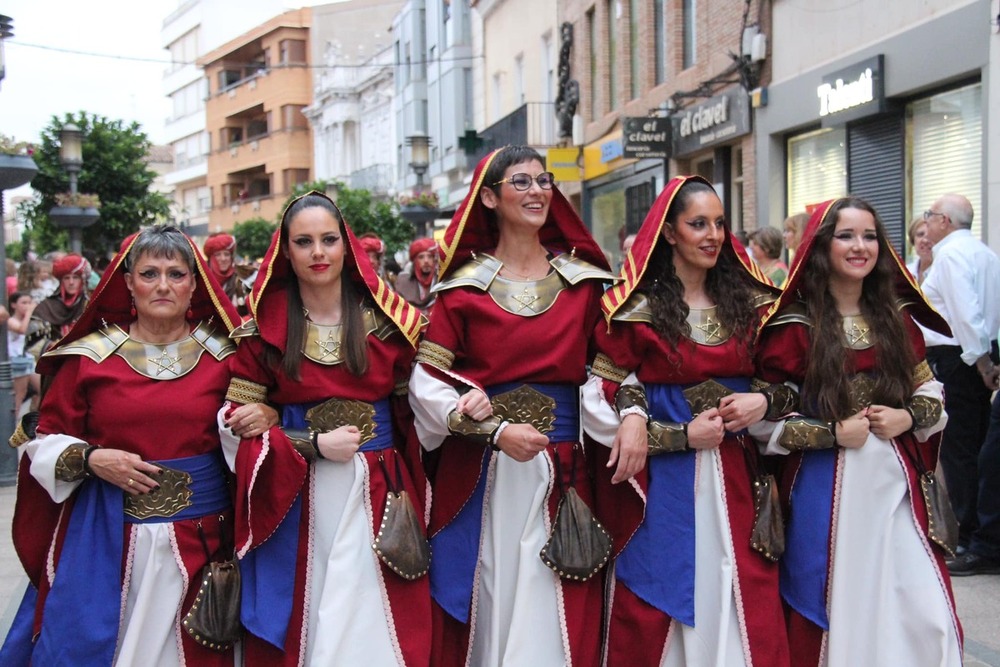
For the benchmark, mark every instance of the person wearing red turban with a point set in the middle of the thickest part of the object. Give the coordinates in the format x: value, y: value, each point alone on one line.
x: 57, y: 313
x: 416, y: 282
x: 220, y: 251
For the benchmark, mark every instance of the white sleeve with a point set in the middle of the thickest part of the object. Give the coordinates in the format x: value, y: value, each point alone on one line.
x: 432, y: 401
x: 600, y: 418
x: 931, y: 389
x: 230, y: 441
x: 44, y: 452
x: 767, y: 432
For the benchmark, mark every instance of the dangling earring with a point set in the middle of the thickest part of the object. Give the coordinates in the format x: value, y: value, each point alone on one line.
x: 190, y: 313
x: 131, y: 310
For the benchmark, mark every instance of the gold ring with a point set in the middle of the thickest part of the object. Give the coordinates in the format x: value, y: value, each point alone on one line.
x: 131, y: 481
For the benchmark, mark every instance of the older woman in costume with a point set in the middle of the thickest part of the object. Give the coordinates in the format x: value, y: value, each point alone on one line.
x: 220, y: 251
x: 673, y: 378
x: 520, y: 283
x: 863, y: 574
x: 332, y: 347
x: 126, y: 499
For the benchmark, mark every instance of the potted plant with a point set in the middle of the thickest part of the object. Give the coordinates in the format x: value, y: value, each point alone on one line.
x: 16, y: 164
x: 75, y: 209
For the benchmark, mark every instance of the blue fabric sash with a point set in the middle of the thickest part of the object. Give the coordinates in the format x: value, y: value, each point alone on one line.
x: 80, y: 621
x: 805, y: 564
x: 666, y: 580
x: 456, y: 546
x: 268, y: 571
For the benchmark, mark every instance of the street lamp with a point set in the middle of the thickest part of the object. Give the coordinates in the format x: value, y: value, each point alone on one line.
x: 417, y: 215
x: 71, y: 214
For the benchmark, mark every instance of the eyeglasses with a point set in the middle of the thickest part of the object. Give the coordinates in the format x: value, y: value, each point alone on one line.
x: 928, y: 214
x: 522, y: 182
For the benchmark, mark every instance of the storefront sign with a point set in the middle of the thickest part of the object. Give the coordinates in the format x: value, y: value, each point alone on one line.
x: 611, y: 150
x: 716, y: 121
x: 853, y: 92
x: 564, y: 163
x: 646, y: 137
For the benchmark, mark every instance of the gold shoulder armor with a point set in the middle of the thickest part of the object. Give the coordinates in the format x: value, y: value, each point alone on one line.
x: 574, y: 270
x: 795, y: 313
x: 478, y: 272
x: 245, y: 330
x: 636, y: 309
x: 96, y: 346
x: 215, y: 343
x: 376, y: 322
x: 763, y: 297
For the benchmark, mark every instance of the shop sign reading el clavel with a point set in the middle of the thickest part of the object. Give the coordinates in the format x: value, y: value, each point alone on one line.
x: 646, y: 137
x: 718, y: 120
x: 853, y: 92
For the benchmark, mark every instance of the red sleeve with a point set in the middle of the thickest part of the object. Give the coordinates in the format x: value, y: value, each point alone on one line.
x: 783, y: 353
x: 64, y: 408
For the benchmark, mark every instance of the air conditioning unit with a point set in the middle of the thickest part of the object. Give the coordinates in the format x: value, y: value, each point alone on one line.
x: 232, y: 92
x: 254, y: 145
x: 255, y: 206
x: 233, y: 151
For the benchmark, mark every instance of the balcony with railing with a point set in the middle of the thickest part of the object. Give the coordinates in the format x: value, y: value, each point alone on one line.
x: 531, y: 124
x: 377, y: 179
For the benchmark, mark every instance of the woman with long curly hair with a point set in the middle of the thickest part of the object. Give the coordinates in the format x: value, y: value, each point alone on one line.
x: 863, y: 574
x: 673, y: 378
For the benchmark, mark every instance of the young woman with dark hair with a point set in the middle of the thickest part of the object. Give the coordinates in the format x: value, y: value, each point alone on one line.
x: 863, y: 575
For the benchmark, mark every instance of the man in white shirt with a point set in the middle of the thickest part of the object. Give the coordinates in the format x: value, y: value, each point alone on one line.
x: 964, y: 286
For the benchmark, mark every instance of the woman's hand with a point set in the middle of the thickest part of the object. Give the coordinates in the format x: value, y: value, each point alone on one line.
x: 887, y: 423
x: 340, y: 444
x: 252, y: 419
x: 521, y: 442
x: 706, y: 430
x: 124, y: 469
x: 629, y: 449
x: 474, y: 405
x: 853, y: 431
x: 738, y: 411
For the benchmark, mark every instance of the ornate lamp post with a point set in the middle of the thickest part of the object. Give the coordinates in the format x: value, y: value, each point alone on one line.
x: 78, y: 211
x: 417, y: 215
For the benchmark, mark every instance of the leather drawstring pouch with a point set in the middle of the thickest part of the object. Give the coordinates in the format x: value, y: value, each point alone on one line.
x: 214, y: 619
x: 942, y: 524
x: 400, y: 542
x: 768, y: 534
x: 578, y: 545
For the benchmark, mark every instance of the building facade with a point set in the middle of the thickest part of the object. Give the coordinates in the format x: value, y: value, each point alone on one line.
x: 193, y: 29
x: 886, y: 101
x: 258, y: 86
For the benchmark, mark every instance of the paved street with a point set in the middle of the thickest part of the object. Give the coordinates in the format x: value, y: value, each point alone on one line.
x: 978, y: 597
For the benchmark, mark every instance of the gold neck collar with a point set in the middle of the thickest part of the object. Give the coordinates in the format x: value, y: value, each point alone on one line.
x: 706, y: 328
x: 857, y: 334
x: 323, y: 343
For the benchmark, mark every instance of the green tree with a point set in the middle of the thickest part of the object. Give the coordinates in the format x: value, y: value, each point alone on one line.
x: 114, y: 168
x: 364, y: 213
x: 253, y: 236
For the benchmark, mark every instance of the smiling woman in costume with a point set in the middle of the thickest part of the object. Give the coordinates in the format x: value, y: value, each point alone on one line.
x: 323, y: 499
x: 863, y: 574
x: 128, y: 420
x: 673, y: 378
x: 520, y: 283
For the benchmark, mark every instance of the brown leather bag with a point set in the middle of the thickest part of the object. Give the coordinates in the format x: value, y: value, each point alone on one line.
x: 578, y: 545
x: 942, y: 524
x: 214, y: 618
x: 768, y: 535
x: 400, y: 542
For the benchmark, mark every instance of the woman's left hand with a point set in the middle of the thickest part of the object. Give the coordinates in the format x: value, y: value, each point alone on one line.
x: 252, y: 419
x: 887, y: 423
x: 738, y: 411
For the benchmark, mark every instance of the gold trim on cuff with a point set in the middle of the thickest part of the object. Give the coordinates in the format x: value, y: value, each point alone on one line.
x: 435, y: 355
x: 603, y: 367
x: 926, y: 411
x: 922, y: 373
x: 246, y: 392
x: 71, y: 464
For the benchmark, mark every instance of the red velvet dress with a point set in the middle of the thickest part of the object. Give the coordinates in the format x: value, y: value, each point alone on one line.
x: 495, y: 601
x: 688, y: 588
x: 346, y: 606
x: 862, y: 583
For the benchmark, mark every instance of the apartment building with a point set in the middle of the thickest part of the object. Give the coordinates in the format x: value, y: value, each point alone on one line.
x: 190, y: 31
x: 258, y: 86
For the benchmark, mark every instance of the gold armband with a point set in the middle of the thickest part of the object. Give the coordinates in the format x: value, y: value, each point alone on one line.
x: 25, y: 431
x: 303, y: 442
x: 630, y: 396
x: 781, y: 400
x: 924, y: 410
x: 801, y: 434
x: 666, y: 437
x: 481, y: 432
x: 71, y: 466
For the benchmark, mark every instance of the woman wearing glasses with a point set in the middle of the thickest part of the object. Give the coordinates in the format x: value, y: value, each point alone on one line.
x: 521, y: 279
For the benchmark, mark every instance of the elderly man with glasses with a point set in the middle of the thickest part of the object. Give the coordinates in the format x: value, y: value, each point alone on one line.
x: 964, y: 286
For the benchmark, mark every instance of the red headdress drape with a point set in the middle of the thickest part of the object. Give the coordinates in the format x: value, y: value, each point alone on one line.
x: 268, y: 303
x: 472, y: 228
x: 906, y: 287
x: 637, y: 260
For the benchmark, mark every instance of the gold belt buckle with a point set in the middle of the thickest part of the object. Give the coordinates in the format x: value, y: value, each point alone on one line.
x: 526, y: 405
x: 705, y: 395
x: 173, y: 496
x: 337, y: 412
